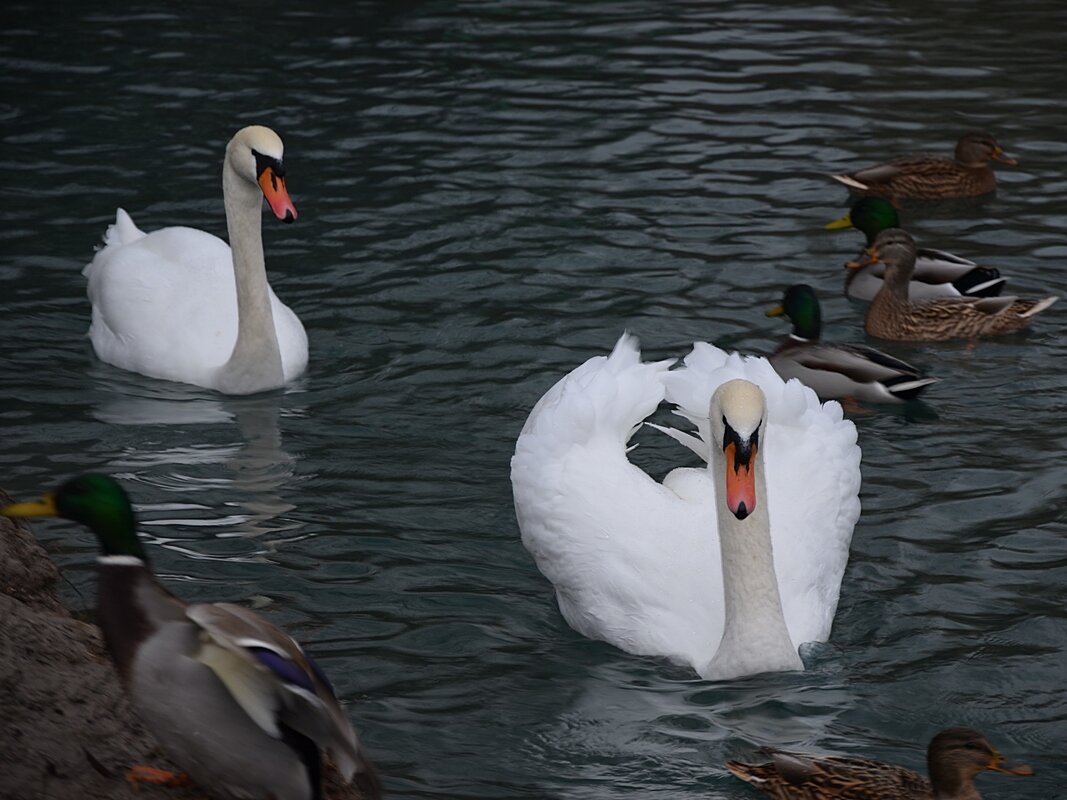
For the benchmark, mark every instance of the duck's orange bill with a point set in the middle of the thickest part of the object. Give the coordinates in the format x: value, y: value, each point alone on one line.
x: 740, y: 483
x: 869, y: 257
x: 998, y: 155
x: 277, y: 196
x: 996, y: 763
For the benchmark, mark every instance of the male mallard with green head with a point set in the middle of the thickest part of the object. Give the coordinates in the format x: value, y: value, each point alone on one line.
x: 234, y: 701
x: 892, y: 315
x: 930, y: 177
x: 838, y: 371
x: 955, y: 756
x: 937, y: 273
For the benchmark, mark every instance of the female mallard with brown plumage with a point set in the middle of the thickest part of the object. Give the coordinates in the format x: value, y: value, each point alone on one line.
x: 234, y: 701
x: 937, y: 273
x: 955, y: 756
x: 930, y: 177
x: 892, y: 315
x: 838, y: 371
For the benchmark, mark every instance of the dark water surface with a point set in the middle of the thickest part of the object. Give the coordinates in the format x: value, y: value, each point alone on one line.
x: 489, y: 193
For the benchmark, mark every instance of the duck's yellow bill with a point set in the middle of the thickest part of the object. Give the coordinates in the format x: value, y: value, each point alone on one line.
x: 45, y: 507
x: 839, y: 224
x: 777, y: 311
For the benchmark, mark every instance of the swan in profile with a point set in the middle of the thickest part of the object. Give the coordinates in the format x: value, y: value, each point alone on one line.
x: 640, y: 564
x: 179, y: 304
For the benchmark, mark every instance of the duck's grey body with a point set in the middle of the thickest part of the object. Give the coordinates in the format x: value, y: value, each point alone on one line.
x: 213, y: 746
x: 255, y: 735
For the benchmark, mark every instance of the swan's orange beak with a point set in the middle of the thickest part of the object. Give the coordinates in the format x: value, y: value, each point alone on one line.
x: 273, y: 186
x: 740, y: 481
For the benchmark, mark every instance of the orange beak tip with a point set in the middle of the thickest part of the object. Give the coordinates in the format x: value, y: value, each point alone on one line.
x: 277, y: 196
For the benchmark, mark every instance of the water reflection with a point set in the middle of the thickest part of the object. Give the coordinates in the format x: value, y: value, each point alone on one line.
x: 254, y: 468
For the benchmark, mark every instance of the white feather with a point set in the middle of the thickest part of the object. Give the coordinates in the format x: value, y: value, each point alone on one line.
x: 636, y: 563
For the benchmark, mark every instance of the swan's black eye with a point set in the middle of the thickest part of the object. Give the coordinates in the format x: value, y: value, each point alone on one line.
x: 267, y: 162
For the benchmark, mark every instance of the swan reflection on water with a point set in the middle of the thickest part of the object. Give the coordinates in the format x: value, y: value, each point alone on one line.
x: 257, y: 462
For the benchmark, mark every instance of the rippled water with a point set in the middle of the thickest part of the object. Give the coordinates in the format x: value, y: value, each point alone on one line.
x: 489, y: 193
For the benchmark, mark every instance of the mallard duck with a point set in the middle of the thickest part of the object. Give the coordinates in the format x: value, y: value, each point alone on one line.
x: 838, y: 371
x: 232, y: 699
x: 955, y: 756
x: 937, y: 273
x: 925, y: 177
x: 727, y: 568
x: 892, y: 315
x: 178, y: 303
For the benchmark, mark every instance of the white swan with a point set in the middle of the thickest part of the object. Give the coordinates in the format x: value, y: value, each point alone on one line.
x: 637, y: 563
x: 178, y: 304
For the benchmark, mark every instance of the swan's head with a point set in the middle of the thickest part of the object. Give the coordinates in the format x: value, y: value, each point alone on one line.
x: 895, y: 248
x: 738, y: 410
x: 255, y: 154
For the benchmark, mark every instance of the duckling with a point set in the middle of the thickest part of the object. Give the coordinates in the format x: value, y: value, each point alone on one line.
x: 955, y: 756
x: 892, y: 315
x: 926, y: 177
x: 937, y: 273
x: 838, y: 371
x: 233, y: 700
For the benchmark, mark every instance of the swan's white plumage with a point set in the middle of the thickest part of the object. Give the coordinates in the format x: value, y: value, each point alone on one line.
x: 179, y: 304
x: 165, y: 305
x: 637, y: 563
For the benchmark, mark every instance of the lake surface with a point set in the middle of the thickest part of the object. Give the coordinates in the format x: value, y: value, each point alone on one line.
x: 489, y: 194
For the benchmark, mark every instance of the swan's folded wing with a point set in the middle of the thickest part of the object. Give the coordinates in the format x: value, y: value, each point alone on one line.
x: 617, y: 546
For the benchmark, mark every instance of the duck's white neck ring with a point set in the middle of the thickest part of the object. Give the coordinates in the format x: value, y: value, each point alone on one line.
x: 121, y: 561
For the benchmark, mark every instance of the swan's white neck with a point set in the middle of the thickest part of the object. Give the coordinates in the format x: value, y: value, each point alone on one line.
x: 755, y: 638
x: 256, y: 362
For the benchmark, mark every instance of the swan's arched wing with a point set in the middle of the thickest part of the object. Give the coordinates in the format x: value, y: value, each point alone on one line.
x: 620, y: 549
x: 811, y: 461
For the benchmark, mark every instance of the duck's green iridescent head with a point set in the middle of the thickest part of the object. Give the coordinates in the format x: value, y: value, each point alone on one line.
x: 801, y: 305
x: 872, y: 215
x: 96, y: 501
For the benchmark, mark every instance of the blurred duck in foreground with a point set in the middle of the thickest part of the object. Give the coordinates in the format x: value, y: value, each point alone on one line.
x: 838, y: 371
x: 955, y: 756
x: 232, y: 699
x: 937, y: 273
x: 892, y: 315
x: 930, y: 177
